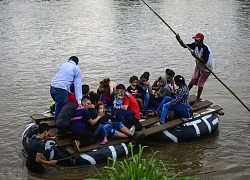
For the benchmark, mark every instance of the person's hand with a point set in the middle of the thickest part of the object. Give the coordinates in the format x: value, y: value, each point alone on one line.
x: 54, y: 138
x: 101, y: 114
x: 194, y: 54
x: 53, y: 162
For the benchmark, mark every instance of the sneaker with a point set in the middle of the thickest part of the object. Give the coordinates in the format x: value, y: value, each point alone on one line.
x: 76, y: 145
x: 132, y: 129
x: 144, y: 115
x: 137, y: 136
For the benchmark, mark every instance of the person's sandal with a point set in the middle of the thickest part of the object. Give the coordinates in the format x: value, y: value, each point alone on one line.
x: 103, y: 142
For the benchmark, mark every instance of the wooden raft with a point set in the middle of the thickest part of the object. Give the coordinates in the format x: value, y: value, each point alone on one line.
x: 67, y: 142
x: 198, y: 111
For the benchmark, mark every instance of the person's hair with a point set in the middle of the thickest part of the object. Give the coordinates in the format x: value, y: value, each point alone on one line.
x: 75, y: 59
x: 72, y: 88
x: 105, y: 83
x: 43, y: 127
x: 94, y: 97
x: 179, y: 80
x: 85, y: 98
x: 120, y: 86
x: 159, y: 78
x: 145, y: 75
x: 133, y: 78
x: 170, y: 72
x: 120, y: 92
x: 85, y: 89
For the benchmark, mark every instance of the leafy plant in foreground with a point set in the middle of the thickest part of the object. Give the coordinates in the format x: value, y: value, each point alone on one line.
x: 137, y: 168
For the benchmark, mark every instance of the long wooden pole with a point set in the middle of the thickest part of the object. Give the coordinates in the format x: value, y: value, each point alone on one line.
x: 198, y: 59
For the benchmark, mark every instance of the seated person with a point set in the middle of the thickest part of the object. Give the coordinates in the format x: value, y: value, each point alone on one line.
x: 129, y: 114
x: 161, y: 93
x: 137, y: 91
x: 107, y: 128
x: 79, y: 134
x: 180, y: 103
x: 107, y: 93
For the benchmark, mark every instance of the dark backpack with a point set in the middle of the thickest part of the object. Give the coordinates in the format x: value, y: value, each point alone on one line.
x: 65, y: 115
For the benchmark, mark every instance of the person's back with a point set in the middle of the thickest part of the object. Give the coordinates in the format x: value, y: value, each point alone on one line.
x: 78, y: 121
x: 67, y: 74
x: 36, y: 146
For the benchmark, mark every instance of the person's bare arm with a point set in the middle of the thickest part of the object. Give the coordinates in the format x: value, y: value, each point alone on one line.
x: 42, y: 161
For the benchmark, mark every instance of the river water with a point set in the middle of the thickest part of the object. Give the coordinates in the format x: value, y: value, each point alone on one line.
x: 118, y: 39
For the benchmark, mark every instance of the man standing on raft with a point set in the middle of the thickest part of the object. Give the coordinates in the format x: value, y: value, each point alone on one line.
x: 203, y: 55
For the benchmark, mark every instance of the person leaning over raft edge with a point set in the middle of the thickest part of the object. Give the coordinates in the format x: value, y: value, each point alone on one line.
x: 37, y: 148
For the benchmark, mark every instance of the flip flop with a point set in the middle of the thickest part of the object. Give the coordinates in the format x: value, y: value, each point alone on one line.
x: 103, y: 142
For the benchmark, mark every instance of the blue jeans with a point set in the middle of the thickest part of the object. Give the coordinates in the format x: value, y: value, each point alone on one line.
x: 146, y: 101
x: 109, y: 129
x: 184, y: 109
x: 164, y: 101
x: 60, y: 96
x: 127, y: 117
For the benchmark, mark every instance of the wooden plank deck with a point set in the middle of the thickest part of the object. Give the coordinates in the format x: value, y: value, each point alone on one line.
x: 144, y: 122
x: 149, y: 131
x: 67, y: 142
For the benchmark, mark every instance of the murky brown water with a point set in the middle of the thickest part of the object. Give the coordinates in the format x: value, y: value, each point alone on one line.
x: 117, y: 39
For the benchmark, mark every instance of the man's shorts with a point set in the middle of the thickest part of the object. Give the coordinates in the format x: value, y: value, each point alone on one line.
x: 199, y: 77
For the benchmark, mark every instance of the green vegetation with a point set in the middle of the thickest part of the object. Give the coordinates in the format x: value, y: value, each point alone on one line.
x: 137, y: 168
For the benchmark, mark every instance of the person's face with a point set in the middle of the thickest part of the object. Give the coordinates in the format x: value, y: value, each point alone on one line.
x: 101, y: 108
x: 120, y: 96
x: 198, y: 42
x: 160, y: 83
x: 86, y: 104
x: 102, y: 89
x: 143, y: 81
x: 134, y: 83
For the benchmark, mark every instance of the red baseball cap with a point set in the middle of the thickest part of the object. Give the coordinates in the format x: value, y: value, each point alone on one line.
x: 198, y: 36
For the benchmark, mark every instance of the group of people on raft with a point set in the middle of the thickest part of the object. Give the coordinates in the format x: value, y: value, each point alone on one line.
x: 114, y: 109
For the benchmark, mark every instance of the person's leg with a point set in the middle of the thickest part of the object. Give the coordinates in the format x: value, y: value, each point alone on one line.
x: 60, y: 97
x: 198, y: 97
x: 146, y: 102
x: 164, y: 101
x: 120, y: 116
x: 36, y: 168
x: 195, y: 78
x: 164, y: 112
x: 201, y: 82
x: 85, y: 138
x: 130, y: 119
x: 123, y: 132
